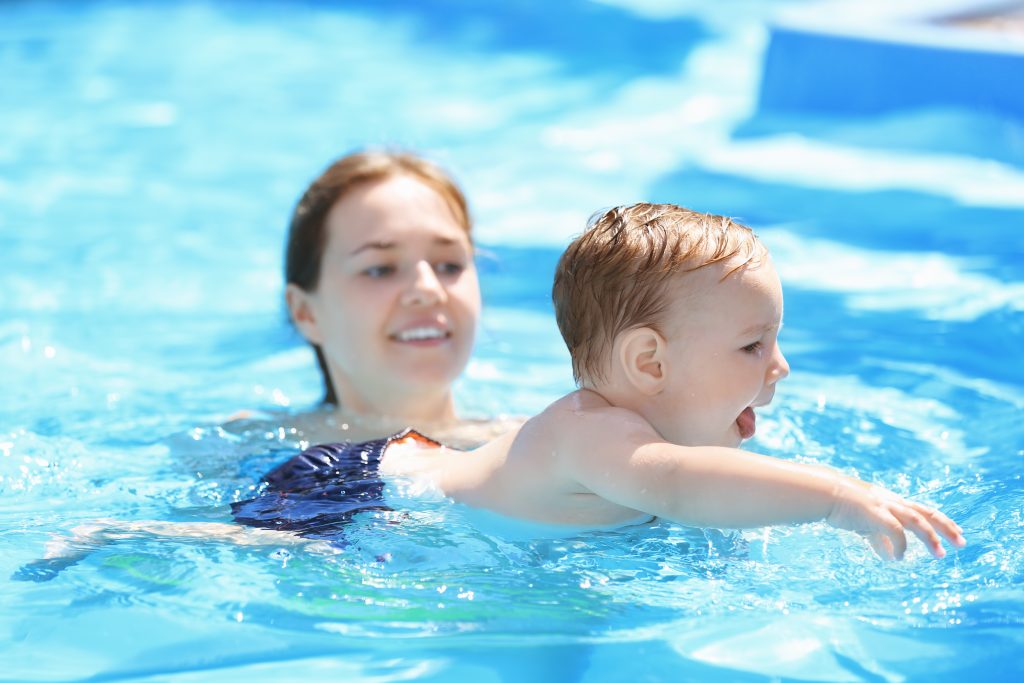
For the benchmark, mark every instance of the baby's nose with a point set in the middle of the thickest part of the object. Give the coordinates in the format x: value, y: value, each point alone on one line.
x: 780, y: 366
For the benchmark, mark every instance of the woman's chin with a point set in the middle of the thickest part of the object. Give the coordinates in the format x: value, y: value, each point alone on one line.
x: 428, y: 379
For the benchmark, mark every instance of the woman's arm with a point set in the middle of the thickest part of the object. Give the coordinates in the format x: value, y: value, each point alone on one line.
x: 62, y: 552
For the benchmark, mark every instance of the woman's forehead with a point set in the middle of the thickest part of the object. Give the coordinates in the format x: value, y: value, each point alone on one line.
x: 398, y: 211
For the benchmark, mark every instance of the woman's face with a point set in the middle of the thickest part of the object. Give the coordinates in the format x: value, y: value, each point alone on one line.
x: 397, y: 302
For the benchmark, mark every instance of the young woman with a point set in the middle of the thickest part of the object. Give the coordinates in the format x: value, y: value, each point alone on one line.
x: 381, y: 283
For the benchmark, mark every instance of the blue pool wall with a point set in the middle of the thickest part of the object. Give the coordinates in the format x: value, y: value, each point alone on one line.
x: 830, y: 65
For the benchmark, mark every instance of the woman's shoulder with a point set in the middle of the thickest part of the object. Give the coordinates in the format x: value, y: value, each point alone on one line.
x: 321, y: 425
x: 470, y: 433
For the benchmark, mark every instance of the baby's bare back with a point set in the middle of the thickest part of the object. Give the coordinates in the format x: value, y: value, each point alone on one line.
x: 529, y: 473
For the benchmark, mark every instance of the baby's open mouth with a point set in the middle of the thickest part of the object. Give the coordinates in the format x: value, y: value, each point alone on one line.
x: 746, y: 423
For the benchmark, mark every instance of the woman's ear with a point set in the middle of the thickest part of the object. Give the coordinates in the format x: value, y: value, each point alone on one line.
x: 642, y: 359
x: 302, y: 312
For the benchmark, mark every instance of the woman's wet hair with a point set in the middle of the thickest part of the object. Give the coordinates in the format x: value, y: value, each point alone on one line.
x: 307, y: 234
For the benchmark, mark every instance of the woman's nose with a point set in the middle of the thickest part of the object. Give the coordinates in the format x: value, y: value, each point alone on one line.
x: 425, y: 288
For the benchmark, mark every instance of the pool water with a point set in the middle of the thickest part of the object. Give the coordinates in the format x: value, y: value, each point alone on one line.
x: 150, y: 155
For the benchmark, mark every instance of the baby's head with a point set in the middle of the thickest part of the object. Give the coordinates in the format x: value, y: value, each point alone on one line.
x: 661, y: 295
x: 614, y: 277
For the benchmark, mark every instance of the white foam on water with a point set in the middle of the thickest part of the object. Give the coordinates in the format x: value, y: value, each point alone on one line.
x: 938, y: 286
x: 792, y: 646
x: 615, y: 145
x: 929, y: 420
x: 798, y: 160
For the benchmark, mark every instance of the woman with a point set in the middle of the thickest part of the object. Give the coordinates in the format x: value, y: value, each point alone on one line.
x: 381, y: 283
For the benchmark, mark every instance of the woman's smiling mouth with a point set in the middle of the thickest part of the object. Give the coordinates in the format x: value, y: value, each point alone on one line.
x: 424, y: 334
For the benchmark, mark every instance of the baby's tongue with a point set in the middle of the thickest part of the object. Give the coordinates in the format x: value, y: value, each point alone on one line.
x: 746, y: 422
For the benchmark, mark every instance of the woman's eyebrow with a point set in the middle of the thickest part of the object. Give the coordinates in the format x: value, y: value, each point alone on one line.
x: 373, y: 245
x: 380, y: 244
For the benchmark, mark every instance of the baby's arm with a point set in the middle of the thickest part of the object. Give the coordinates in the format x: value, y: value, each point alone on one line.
x: 731, y: 488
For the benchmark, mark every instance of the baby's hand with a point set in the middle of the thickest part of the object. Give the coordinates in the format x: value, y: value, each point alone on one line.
x: 881, y: 516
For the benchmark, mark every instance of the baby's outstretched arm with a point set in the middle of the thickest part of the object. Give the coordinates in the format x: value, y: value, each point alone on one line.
x: 748, y: 489
x: 732, y: 488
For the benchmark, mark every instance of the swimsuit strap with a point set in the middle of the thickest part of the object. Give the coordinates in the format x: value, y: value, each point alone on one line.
x: 408, y: 435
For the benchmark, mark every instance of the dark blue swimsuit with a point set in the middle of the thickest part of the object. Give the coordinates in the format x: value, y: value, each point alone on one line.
x: 315, y: 494
x: 319, y: 490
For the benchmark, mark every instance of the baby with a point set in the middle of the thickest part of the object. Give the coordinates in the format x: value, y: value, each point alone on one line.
x: 672, y: 319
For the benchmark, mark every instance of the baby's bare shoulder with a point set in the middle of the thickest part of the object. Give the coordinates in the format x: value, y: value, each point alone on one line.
x: 586, y: 404
x: 585, y: 416
x: 586, y: 434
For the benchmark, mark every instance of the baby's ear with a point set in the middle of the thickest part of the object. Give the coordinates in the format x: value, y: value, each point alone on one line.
x: 303, y: 315
x: 642, y: 358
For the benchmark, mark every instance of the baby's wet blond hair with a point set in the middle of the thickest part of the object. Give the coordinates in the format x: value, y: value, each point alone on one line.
x: 613, y: 277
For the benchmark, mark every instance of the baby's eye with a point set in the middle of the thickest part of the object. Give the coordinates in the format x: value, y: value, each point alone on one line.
x: 449, y: 268
x: 379, y: 271
x: 753, y: 348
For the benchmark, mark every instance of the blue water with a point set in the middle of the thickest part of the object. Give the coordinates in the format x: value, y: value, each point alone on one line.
x: 149, y: 157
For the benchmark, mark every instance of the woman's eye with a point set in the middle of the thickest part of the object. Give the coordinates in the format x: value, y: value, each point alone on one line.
x: 379, y: 271
x: 449, y: 268
x: 753, y: 348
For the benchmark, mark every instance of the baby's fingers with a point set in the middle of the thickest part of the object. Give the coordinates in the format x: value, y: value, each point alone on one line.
x: 921, y: 526
x: 882, y: 546
x: 943, y: 524
x: 888, y: 540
